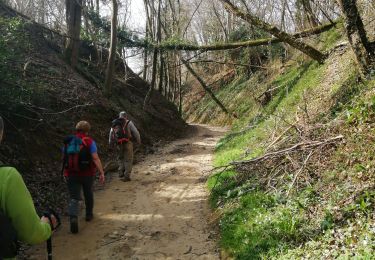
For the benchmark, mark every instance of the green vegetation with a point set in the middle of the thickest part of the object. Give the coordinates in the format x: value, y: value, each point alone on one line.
x: 13, y: 43
x: 331, y: 216
x: 10, y: 30
x: 330, y: 38
x: 263, y: 222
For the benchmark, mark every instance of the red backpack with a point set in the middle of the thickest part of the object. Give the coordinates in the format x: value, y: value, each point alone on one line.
x: 120, y: 130
x: 77, y: 155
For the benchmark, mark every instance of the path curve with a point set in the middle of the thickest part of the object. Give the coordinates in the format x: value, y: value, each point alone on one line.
x: 161, y: 214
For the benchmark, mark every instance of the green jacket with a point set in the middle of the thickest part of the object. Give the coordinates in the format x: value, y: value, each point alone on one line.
x: 17, y: 204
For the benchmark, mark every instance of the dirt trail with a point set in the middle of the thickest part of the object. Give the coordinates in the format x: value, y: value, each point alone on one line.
x: 161, y: 214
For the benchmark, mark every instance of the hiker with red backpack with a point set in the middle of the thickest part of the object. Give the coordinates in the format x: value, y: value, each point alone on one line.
x: 18, y: 217
x: 80, y: 163
x: 123, y: 132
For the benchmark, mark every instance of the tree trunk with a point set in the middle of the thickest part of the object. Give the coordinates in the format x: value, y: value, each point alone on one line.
x: 357, y: 35
x: 112, y: 50
x: 311, y: 18
x: 282, y: 20
x: 166, y: 77
x: 42, y: 12
x: 154, y: 63
x: 161, y: 73
x: 227, y: 46
x: 145, y: 58
x: 171, y: 67
x: 153, y: 79
x: 204, y: 85
x: 175, y: 79
x: 219, y: 19
x: 180, y: 89
x: 235, y: 45
x: 283, y: 36
x: 73, y: 21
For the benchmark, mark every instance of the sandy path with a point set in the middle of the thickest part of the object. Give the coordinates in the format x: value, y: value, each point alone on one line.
x: 161, y: 214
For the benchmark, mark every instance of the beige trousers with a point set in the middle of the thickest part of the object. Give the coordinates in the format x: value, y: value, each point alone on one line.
x: 125, y: 159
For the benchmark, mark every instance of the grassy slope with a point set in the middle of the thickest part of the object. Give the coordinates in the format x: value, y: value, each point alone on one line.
x: 334, y: 215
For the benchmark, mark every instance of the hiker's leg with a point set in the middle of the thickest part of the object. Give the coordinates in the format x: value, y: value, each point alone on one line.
x: 87, y: 184
x: 74, y: 187
x: 120, y: 159
x: 74, y: 192
x: 128, y: 159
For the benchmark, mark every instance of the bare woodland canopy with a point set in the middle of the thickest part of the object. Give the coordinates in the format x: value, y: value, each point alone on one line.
x: 197, y: 26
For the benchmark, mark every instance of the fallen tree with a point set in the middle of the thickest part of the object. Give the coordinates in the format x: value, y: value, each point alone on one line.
x: 204, y: 85
x: 130, y: 43
x: 293, y: 41
x: 243, y: 44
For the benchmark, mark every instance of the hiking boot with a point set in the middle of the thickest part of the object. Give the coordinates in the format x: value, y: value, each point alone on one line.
x: 89, y: 217
x: 74, y: 224
x: 125, y: 178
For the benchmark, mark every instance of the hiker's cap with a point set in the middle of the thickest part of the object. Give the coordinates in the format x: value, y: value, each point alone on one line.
x: 122, y: 114
x: 83, y: 126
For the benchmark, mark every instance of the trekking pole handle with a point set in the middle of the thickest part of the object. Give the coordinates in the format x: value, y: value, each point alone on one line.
x: 48, y: 215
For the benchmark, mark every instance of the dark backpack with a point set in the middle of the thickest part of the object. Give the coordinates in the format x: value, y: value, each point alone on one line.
x: 8, y: 236
x: 77, y: 155
x: 120, y: 129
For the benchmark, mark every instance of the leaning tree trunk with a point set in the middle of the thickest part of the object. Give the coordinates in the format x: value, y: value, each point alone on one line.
x: 357, y: 35
x: 290, y: 39
x: 112, y: 51
x: 73, y: 21
x: 204, y: 85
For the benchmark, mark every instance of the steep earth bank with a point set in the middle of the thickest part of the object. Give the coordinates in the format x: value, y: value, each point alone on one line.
x: 42, y: 98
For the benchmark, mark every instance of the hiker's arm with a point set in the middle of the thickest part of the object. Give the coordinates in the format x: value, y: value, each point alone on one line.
x: 98, y: 163
x: 20, y: 209
x: 135, y: 132
x: 110, y: 139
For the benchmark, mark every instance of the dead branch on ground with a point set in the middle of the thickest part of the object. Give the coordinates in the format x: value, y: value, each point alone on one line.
x: 67, y: 110
x: 283, y: 169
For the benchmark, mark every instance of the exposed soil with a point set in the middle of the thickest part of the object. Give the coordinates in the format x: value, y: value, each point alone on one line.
x: 163, y: 213
x: 42, y: 98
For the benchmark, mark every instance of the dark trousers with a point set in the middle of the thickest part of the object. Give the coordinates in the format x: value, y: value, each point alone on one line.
x: 75, y: 183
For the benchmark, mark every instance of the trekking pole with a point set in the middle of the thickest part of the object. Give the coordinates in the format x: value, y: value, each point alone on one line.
x: 48, y: 214
x: 49, y: 248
